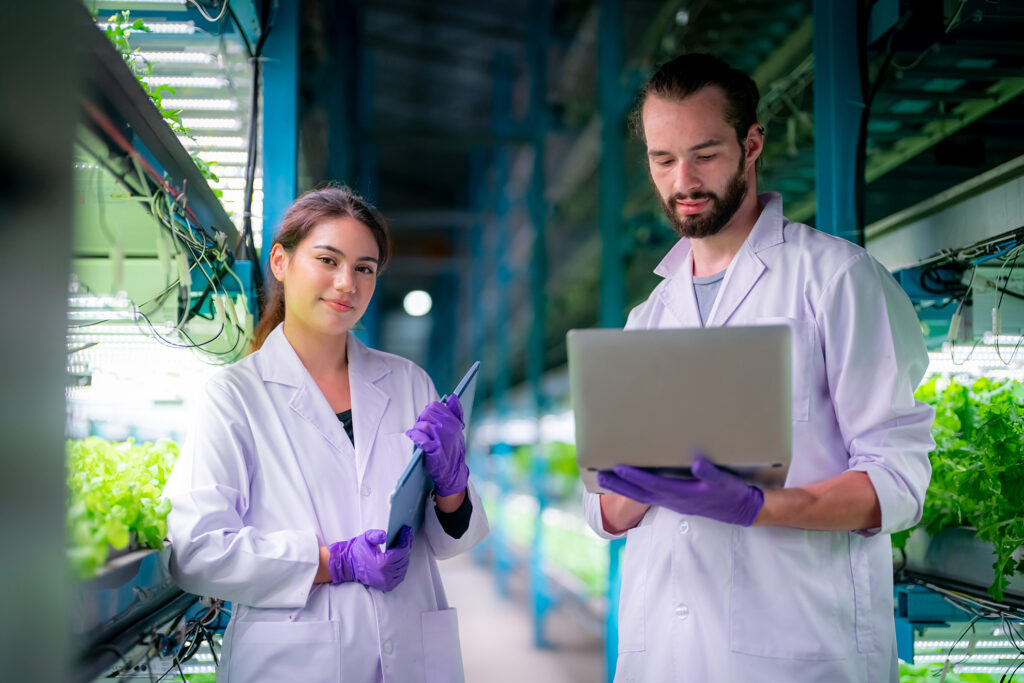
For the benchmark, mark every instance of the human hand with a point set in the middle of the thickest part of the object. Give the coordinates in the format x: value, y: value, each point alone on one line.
x: 714, y: 493
x: 361, y: 559
x: 438, y: 431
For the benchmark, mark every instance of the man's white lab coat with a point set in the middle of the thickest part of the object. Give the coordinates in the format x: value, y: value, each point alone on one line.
x: 706, y: 601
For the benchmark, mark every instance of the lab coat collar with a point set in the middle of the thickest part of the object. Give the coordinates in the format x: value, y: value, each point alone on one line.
x: 279, y: 363
x: 744, y: 271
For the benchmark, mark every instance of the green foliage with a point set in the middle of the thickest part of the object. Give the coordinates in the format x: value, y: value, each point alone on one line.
x: 978, y: 467
x: 118, y: 28
x: 929, y: 673
x: 115, y: 491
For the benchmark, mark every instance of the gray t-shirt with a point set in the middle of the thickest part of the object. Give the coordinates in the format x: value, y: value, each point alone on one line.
x: 706, y: 289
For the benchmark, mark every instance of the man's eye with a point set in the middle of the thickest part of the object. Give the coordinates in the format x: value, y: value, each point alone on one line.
x: 706, y: 157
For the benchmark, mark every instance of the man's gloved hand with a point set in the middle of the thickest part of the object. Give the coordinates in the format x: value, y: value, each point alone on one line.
x: 715, y: 494
x: 438, y: 431
x: 361, y: 559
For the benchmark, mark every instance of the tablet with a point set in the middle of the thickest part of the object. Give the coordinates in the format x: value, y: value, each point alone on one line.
x: 651, y: 398
x: 414, y: 485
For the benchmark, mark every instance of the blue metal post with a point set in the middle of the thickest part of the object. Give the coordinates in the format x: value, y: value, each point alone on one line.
x: 280, y: 120
x: 480, y: 464
x: 540, y: 594
x: 612, y: 182
x: 368, y: 169
x: 502, y: 204
x: 838, y: 103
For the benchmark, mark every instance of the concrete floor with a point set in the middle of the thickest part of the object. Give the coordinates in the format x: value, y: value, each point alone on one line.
x: 497, y: 634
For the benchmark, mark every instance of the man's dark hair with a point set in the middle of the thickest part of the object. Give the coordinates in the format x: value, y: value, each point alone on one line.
x: 683, y: 76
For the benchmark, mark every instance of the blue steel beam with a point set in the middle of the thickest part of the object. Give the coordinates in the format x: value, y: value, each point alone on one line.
x: 280, y: 121
x: 539, y: 590
x: 612, y: 185
x: 838, y: 104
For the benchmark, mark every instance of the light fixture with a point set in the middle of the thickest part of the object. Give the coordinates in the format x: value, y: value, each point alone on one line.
x: 417, y: 303
x: 200, y: 104
x: 187, y: 81
x: 218, y: 142
x: 183, y: 28
x: 175, y: 57
x: 211, y: 124
x: 224, y: 157
x: 143, y: 5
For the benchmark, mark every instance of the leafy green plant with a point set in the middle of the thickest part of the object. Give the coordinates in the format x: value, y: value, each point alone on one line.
x: 115, y: 495
x: 978, y: 467
x: 117, y: 30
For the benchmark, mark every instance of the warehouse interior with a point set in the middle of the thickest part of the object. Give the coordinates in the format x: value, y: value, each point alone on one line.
x: 149, y: 150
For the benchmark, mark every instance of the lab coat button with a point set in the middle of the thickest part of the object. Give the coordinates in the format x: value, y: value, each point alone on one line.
x: 366, y: 490
x: 682, y: 611
x: 388, y: 647
x: 684, y: 527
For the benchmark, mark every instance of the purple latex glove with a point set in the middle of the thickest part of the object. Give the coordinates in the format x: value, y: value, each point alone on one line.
x: 361, y: 559
x: 715, y: 494
x: 438, y: 431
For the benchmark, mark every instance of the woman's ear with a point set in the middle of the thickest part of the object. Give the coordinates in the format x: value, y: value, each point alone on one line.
x: 278, y: 261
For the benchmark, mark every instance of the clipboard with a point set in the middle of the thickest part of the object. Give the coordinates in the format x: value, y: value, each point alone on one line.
x: 414, y: 485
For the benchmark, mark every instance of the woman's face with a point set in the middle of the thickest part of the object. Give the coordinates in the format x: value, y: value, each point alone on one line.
x: 329, y: 278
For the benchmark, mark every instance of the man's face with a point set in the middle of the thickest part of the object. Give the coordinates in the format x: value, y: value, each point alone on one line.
x: 696, y: 164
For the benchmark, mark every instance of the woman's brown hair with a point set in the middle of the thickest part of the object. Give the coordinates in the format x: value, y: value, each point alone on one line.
x: 305, y: 213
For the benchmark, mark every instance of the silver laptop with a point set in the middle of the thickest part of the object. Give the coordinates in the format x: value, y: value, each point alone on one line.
x: 650, y: 398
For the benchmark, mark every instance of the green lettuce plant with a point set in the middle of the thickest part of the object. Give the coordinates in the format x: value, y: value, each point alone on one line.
x: 977, y: 467
x: 115, y: 498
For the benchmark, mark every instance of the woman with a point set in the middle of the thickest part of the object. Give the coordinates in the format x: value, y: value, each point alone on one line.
x: 280, y: 497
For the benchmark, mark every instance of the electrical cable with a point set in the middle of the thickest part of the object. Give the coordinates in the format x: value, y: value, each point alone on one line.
x: 248, y: 241
x: 212, y: 20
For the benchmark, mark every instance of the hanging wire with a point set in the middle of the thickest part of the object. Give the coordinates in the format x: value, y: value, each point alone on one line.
x: 212, y: 20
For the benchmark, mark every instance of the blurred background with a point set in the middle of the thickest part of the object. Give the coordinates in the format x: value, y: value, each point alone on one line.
x: 149, y: 148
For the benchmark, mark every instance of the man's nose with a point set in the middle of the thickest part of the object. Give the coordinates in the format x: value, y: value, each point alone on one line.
x: 685, y: 179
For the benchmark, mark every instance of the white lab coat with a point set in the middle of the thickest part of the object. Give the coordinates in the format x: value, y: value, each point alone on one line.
x: 707, y: 601
x: 266, y: 476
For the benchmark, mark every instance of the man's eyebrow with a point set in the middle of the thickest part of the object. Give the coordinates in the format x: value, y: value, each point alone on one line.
x: 696, y: 148
x: 339, y: 252
x: 704, y: 145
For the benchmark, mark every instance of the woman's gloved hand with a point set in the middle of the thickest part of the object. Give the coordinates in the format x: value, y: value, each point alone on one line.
x: 438, y: 431
x: 361, y: 559
x: 713, y: 493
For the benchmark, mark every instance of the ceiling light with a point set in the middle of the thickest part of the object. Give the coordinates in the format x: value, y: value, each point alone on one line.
x: 417, y: 303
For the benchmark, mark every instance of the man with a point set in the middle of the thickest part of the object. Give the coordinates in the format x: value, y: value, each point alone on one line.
x: 724, y: 582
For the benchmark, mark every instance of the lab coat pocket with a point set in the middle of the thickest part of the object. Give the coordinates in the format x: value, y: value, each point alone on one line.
x: 442, y: 655
x: 802, y: 352
x: 277, y: 650
x: 784, y: 601
x: 633, y: 594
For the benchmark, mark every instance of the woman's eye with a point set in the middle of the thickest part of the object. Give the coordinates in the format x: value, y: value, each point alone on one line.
x: 325, y: 259
x: 365, y: 269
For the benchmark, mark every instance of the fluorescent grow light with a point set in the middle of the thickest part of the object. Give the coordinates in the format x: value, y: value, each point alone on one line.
x: 187, y: 81
x: 200, y: 104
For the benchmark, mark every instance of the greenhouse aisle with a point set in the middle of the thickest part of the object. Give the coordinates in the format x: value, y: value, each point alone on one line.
x: 497, y: 636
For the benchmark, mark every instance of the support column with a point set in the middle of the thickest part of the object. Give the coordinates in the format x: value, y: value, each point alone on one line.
x: 612, y: 197
x: 838, y: 103
x: 280, y: 133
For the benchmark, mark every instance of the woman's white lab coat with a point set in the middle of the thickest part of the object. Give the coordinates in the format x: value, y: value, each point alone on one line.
x: 707, y: 601
x: 266, y: 476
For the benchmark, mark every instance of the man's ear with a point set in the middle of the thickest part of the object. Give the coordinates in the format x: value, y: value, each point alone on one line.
x: 753, y: 144
x: 278, y: 261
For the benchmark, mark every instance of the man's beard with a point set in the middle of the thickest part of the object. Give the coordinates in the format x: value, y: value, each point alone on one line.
x: 715, y: 217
